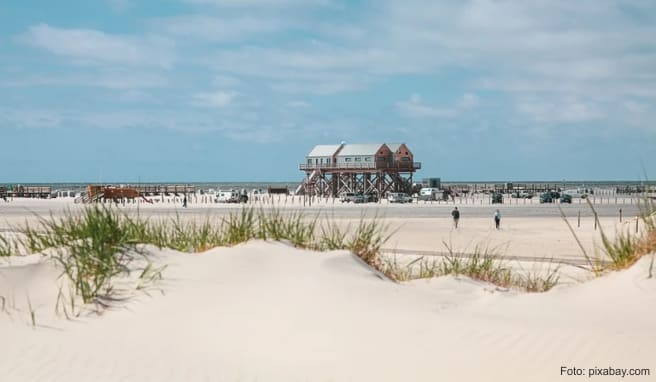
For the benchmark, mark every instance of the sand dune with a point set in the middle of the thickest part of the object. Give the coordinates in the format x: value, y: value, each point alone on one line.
x: 267, y: 312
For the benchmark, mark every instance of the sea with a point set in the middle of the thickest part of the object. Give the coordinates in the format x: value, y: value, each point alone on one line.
x: 292, y: 185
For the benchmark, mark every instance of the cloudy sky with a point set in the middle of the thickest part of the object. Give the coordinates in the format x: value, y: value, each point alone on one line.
x: 230, y: 90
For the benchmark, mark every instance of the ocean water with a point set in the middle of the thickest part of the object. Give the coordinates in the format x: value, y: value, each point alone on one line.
x: 199, y: 185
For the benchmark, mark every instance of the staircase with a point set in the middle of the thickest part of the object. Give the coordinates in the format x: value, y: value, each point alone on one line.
x: 305, y: 182
x: 87, y: 199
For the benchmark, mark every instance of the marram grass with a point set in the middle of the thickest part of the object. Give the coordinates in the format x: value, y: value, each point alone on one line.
x: 484, y: 264
x: 626, y: 248
x: 100, y: 244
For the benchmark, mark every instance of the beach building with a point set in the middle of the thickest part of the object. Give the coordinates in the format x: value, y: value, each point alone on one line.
x: 375, y: 168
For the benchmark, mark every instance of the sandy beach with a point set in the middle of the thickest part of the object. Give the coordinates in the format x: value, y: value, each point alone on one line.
x: 266, y: 311
x: 528, y: 229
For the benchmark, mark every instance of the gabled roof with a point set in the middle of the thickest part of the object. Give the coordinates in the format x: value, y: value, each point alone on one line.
x: 323, y: 150
x: 394, y: 146
x: 360, y: 149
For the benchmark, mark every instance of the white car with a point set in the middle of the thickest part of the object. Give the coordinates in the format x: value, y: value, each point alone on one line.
x: 230, y: 196
x: 399, y: 197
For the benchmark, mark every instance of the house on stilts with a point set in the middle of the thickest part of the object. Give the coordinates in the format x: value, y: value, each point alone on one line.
x: 376, y: 168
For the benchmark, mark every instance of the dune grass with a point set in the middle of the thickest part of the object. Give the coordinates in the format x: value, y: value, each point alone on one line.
x: 626, y: 248
x: 101, y: 243
x: 7, y: 247
x: 484, y: 264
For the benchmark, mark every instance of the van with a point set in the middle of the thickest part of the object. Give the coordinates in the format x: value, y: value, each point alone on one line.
x: 577, y: 193
x: 399, y: 197
x: 346, y: 197
x: 430, y: 193
x: 230, y: 196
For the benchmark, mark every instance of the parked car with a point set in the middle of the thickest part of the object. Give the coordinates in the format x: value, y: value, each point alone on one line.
x: 546, y: 197
x: 243, y: 196
x: 555, y: 194
x: 370, y: 197
x: 348, y: 197
x: 522, y: 194
x: 399, y: 197
x: 497, y: 197
x: 229, y: 196
x: 577, y: 193
x: 431, y: 193
x: 566, y: 198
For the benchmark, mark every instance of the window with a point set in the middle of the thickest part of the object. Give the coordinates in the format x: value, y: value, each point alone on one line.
x: 367, y: 159
x: 309, y: 161
x: 347, y: 159
x: 358, y: 159
x: 406, y: 153
x: 405, y: 159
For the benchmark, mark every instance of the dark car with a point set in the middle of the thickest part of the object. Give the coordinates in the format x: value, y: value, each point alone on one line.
x: 566, y: 198
x: 370, y: 197
x: 555, y: 194
x: 497, y: 197
x: 546, y: 197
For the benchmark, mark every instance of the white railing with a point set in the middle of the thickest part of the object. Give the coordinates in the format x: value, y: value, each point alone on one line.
x: 360, y: 165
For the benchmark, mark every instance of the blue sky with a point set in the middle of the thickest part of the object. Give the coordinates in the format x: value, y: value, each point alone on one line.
x: 238, y: 90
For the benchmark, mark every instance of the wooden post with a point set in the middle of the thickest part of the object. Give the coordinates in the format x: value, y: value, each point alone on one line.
x: 637, y: 220
x: 595, y: 221
x: 620, y: 215
x: 579, y: 219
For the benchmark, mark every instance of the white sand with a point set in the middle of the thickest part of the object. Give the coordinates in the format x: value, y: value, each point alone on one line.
x: 267, y: 312
x: 528, y: 230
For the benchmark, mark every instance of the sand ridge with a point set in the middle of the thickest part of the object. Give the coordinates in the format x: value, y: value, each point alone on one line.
x: 268, y: 312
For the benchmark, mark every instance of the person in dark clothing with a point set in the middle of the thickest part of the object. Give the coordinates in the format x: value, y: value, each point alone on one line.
x: 497, y: 219
x: 456, y: 216
x: 184, y: 202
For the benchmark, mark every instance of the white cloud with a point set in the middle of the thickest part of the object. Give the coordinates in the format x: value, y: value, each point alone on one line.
x: 223, y: 81
x: 119, y: 6
x: 415, y: 107
x: 133, y: 95
x: 110, y: 79
x: 213, y: 28
x: 589, y: 47
x: 565, y: 110
x: 258, y: 3
x: 468, y: 101
x: 217, y: 99
x: 298, y: 104
x: 90, y: 46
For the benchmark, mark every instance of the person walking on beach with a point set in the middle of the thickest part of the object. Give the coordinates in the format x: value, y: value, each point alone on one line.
x: 497, y: 218
x: 456, y: 216
x: 184, y: 201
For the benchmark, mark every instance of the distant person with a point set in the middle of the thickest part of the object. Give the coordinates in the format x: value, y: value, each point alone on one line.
x: 497, y: 218
x: 456, y: 216
x: 184, y: 202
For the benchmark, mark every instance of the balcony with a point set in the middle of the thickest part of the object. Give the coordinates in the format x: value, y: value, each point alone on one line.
x: 409, y: 166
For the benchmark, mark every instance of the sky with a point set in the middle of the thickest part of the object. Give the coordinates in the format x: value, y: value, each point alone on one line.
x: 241, y: 90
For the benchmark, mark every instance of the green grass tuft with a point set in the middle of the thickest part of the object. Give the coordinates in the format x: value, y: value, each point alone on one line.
x: 484, y: 264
